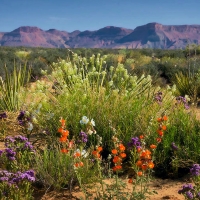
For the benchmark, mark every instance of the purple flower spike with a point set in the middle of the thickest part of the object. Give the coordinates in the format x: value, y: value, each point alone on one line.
x: 135, y: 142
x: 174, y: 147
x: 195, y: 170
x: 84, y: 137
x: 3, y: 115
x: 189, y: 195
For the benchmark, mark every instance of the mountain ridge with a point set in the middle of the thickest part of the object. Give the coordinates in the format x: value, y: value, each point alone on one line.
x: 151, y: 35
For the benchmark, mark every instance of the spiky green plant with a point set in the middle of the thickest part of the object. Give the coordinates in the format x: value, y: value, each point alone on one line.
x: 11, y: 86
x: 188, y: 85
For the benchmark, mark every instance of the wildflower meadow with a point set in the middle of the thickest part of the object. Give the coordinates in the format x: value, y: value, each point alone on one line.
x: 94, y: 128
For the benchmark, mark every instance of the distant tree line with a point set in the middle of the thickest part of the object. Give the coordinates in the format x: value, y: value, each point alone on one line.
x: 162, y: 65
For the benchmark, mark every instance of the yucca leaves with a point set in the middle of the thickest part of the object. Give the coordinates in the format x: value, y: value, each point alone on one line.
x: 187, y: 85
x: 11, y: 86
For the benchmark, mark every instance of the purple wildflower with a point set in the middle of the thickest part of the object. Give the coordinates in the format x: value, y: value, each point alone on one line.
x: 2, y: 179
x: 158, y: 97
x: 10, y: 154
x: 189, y: 195
x: 3, y: 115
x: 135, y: 142
x: 21, y: 115
x: 182, y: 100
x: 28, y: 146
x: 21, y: 138
x: 11, y: 178
x: 174, y: 147
x: 198, y: 195
x: 9, y: 141
x: 84, y: 137
x: 186, y: 188
x: 195, y: 170
x: 1, y: 152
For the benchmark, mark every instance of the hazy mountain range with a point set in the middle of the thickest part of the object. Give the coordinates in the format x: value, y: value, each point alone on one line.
x: 152, y: 35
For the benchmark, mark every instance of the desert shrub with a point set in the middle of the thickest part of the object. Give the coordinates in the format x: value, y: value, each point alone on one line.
x: 111, y: 95
x: 188, y: 85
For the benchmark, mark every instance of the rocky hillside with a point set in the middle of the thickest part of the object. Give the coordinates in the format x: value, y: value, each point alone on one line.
x: 152, y: 35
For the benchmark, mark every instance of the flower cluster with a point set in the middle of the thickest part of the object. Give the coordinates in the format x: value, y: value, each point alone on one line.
x: 77, y: 159
x: 174, y: 147
x: 83, y: 137
x: 135, y: 142
x: 161, y: 127
x: 145, y: 161
x: 96, y: 152
x: 89, y: 125
x: 63, y: 132
x: 182, y: 100
x: 187, y: 190
x: 158, y: 97
x: 64, y: 137
x: 118, y: 155
x: 195, y: 170
x: 12, y: 181
x: 3, y: 115
x: 25, y: 120
x: 19, y: 142
x: 16, y: 145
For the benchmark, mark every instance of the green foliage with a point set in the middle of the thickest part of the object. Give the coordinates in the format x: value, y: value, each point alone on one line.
x: 10, y: 88
x: 110, y: 95
x: 188, y: 85
x: 60, y: 173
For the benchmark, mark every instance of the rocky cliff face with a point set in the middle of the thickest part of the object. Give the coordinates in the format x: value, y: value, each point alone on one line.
x: 152, y: 35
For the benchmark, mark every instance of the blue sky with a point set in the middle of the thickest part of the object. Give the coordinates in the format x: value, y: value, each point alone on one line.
x: 70, y: 15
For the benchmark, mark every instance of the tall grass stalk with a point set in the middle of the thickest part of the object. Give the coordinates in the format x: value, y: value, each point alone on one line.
x: 10, y: 87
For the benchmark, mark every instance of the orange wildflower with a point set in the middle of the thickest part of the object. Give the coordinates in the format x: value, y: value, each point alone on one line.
x: 139, y: 149
x: 76, y: 164
x: 130, y: 180
x: 139, y: 163
x: 153, y: 146
x: 60, y: 130
x: 160, y: 132
x: 62, y: 121
x: 64, y: 150
x: 81, y: 164
x: 96, y: 154
x: 77, y: 154
x: 141, y: 137
x: 151, y: 165
x: 159, y: 119
x: 164, y: 128
x: 122, y: 155
x: 158, y: 139
x: 139, y: 173
x: 117, y: 159
x: 63, y: 139
x: 121, y: 147
x: 144, y: 167
x: 114, y: 151
x: 165, y: 118
x: 145, y: 154
x: 65, y: 133
x: 99, y: 149
x: 117, y: 167
x: 70, y: 144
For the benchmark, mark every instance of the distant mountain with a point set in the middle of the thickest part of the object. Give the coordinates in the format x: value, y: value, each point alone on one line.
x: 152, y: 35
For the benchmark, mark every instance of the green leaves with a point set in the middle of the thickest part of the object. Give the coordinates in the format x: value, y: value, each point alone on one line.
x: 11, y: 87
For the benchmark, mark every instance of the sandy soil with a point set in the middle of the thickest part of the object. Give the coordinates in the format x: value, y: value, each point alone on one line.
x: 166, y: 189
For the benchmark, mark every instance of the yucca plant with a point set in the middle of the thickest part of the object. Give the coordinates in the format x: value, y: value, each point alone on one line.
x: 11, y: 86
x: 188, y: 85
